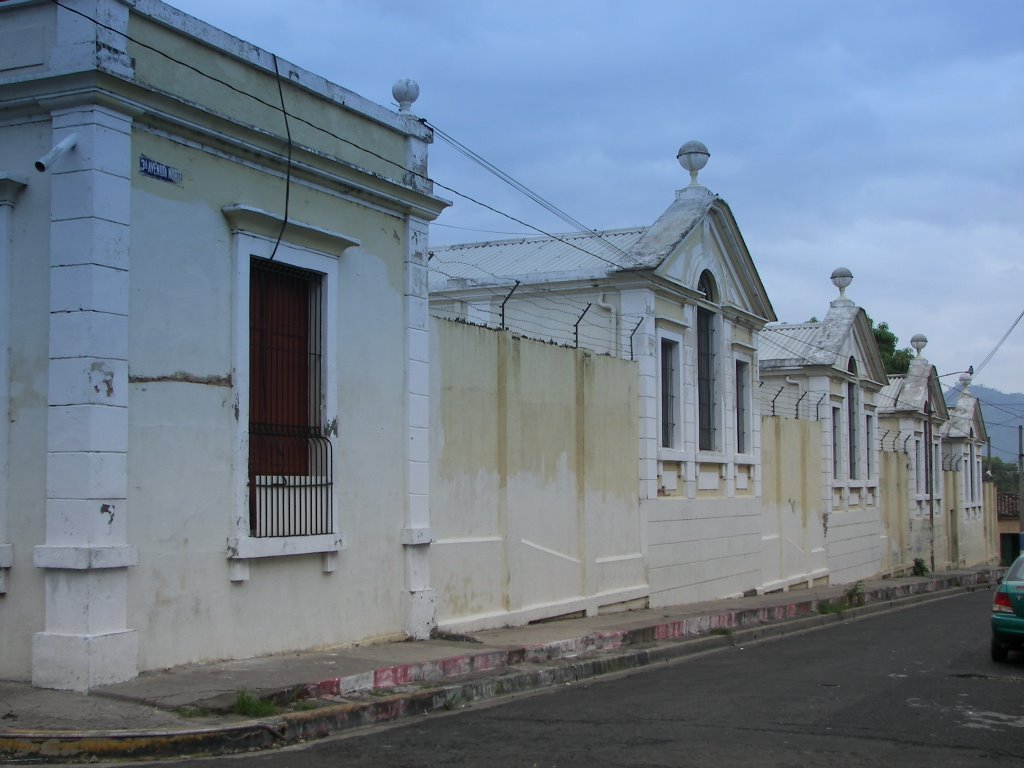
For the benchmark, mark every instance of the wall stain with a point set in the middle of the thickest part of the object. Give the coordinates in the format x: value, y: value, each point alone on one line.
x: 184, y: 378
x: 108, y: 510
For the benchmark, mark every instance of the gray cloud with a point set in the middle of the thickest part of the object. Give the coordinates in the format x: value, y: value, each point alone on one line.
x: 882, y: 136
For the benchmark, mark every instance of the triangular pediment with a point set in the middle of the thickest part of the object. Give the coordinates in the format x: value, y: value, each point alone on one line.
x: 916, y: 390
x: 698, y: 234
x: 966, y: 420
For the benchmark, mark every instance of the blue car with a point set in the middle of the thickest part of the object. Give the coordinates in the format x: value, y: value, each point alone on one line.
x: 1008, y: 612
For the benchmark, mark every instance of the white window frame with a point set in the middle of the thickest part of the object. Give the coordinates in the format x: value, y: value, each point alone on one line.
x: 241, y: 545
x: 678, y: 434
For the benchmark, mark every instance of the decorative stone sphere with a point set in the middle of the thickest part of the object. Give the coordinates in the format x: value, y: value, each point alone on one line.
x: 693, y: 156
x: 918, y: 341
x: 405, y: 91
x: 841, y: 278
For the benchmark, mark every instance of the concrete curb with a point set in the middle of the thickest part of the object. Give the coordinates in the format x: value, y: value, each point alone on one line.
x: 419, y: 689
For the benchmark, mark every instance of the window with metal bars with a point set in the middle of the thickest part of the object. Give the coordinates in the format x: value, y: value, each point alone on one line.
x: 669, y: 391
x: 705, y: 380
x: 707, y: 416
x: 742, y: 398
x: 290, y: 466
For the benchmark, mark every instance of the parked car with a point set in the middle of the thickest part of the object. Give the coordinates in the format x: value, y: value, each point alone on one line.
x: 1008, y: 612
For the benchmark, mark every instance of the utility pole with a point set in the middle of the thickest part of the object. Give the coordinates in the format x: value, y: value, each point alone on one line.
x: 1020, y: 484
x: 928, y: 482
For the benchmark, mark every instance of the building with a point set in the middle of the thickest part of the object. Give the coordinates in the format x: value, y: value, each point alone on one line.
x: 970, y: 503
x: 819, y: 387
x: 213, y: 270
x: 912, y: 415
x: 683, y: 299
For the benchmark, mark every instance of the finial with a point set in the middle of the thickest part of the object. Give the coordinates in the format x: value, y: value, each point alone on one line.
x: 693, y: 156
x: 965, y: 380
x: 841, y: 278
x: 405, y: 91
x: 918, y: 341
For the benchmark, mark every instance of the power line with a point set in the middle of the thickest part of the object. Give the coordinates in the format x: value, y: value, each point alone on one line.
x: 999, y: 343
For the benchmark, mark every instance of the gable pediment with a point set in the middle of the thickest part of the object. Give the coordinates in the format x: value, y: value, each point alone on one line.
x: 699, y: 234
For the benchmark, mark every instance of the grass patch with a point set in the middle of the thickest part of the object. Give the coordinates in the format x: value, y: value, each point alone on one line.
x: 827, y: 606
x: 190, y: 710
x: 248, y: 705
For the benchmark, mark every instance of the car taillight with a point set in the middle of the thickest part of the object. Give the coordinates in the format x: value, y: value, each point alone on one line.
x: 1001, y: 603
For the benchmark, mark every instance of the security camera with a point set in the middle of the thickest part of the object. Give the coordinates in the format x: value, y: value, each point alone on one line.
x: 43, y: 163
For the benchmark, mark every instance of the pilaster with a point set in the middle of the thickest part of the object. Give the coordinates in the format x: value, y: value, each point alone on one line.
x: 419, y: 606
x: 86, y: 641
x: 645, y: 352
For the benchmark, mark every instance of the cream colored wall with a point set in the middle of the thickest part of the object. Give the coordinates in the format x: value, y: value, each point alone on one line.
x: 533, y: 481
x: 793, y: 520
x: 182, y: 429
x: 894, y: 472
x: 159, y: 74
x: 702, y: 549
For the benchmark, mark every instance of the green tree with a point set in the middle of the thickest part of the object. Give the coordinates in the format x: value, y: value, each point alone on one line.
x: 1002, y: 473
x: 895, y: 360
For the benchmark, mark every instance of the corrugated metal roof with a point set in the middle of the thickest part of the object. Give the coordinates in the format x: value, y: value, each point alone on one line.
x: 581, y: 254
x: 890, y: 393
x: 785, y: 341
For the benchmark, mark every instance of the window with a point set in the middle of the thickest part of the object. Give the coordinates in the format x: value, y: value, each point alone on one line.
x: 918, y: 467
x: 289, y: 462
x: 869, y: 446
x: 669, y: 382
x: 973, y: 475
x: 742, y: 406
x: 706, y: 407
x: 852, y: 420
x: 837, y: 445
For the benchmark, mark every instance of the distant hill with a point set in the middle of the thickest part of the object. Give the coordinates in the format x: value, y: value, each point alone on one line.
x: 1003, y: 414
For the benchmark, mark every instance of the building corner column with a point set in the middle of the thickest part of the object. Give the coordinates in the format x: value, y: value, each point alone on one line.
x: 86, y: 641
x: 419, y: 598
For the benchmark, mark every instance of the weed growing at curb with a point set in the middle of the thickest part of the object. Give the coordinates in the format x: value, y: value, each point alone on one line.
x: 827, y: 606
x: 248, y: 705
x: 190, y: 710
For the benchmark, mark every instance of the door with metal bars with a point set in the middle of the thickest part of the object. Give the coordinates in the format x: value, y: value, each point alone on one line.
x: 290, y: 462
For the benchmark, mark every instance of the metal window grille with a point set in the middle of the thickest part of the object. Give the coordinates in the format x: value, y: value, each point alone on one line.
x: 290, y: 464
x: 837, y: 430
x: 705, y: 380
x: 669, y: 377
x: 741, y: 407
x: 851, y: 404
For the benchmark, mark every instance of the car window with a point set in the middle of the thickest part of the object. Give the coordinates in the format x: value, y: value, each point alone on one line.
x: 1016, y: 572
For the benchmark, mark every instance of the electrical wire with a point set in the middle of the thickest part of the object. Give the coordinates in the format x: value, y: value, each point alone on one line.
x: 999, y: 343
x: 288, y: 175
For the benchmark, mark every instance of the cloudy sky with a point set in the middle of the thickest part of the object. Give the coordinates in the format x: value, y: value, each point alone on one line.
x: 887, y: 137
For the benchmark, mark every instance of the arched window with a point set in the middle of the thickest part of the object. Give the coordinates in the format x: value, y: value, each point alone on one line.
x: 706, y: 395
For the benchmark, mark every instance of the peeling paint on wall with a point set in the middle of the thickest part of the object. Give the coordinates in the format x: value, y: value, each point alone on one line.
x: 185, y: 378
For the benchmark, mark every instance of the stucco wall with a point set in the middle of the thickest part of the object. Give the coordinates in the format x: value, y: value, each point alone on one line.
x: 182, y: 429
x: 533, y: 481
x: 26, y: 309
x: 793, y: 521
x: 894, y: 471
x: 172, y: 322
x: 702, y: 549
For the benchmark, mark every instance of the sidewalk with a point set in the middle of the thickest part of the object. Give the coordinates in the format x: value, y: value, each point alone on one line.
x: 194, y: 709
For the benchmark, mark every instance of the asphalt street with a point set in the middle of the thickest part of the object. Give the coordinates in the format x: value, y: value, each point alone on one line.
x: 913, y: 687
